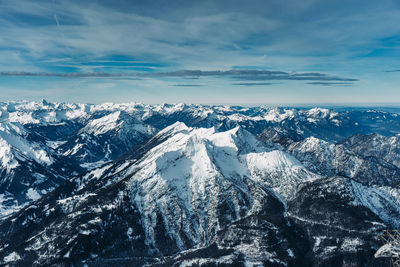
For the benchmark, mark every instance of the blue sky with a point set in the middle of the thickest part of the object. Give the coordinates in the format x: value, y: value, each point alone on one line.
x: 221, y: 52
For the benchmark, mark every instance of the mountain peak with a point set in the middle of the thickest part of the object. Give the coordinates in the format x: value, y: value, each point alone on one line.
x: 174, y: 128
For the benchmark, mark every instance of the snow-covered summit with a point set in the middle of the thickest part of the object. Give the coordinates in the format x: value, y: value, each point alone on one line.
x: 196, y: 169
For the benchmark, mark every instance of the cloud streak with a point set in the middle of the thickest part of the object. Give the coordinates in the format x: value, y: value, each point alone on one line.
x: 236, y: 74
x: 252, y: 84
x: 65, y: 75
x: 398, y: 70
x: 186, y: 85
x: 331, y: 83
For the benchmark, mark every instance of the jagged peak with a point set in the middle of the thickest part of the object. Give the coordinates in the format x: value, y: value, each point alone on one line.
x: 275, y: 159
x: 180, y: 137
x: 312, y: 140
x: 313, y: 144
x: 323, y: 112
x: 174, y: 128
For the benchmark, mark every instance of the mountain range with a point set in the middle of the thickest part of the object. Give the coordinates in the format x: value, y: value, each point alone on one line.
x: 196, y: 185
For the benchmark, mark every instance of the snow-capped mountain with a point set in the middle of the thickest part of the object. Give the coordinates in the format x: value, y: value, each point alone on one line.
x: 318, y: 122
x: 28, y: 169
x: 365, y: 158
x: 189, y: 190
x: 343, y: 219
x: 187, y: 185
x: 385, y: 148
x: 106, y: 138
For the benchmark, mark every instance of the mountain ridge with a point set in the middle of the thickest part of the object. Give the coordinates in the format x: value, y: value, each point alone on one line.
x: 195, y: 184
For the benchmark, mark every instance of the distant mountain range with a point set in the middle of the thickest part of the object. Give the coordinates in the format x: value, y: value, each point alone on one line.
x: 196, y: 185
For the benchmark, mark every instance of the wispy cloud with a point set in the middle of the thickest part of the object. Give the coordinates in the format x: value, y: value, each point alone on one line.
x: 398, y: 70
x: 187, y: 85
x: 66, y: 75
x: 331, y: 83
x: 255, y: 75
x: 252, y: 84
x: 100, y: 32
x: 197, y: 35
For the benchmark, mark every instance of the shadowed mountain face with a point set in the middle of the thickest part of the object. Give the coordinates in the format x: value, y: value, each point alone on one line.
x: 228, y: 186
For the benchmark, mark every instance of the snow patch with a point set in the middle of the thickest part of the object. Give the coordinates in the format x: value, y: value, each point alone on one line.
x: 32, y: 194
x: 12, y: 257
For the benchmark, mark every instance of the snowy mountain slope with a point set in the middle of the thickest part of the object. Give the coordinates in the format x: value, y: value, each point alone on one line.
x: 331, y: 224
x: 42, y: 144
x: 106, y: 138
x: 28, y: 169
x: 98, y: 133
x: 15, y: 146
x: 172, y: 192
x: 190, y: 188
x: 180, y: 192
x: 194, y: 164
x: 357, y: 157
x: 386, y: 148
x: 343, y: 219
x: 336, y: 159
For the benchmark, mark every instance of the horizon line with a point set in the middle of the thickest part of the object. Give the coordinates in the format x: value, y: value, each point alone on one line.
x: 278, y: 104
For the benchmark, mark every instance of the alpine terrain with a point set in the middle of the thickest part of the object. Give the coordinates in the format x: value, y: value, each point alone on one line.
x: 196, y: 185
